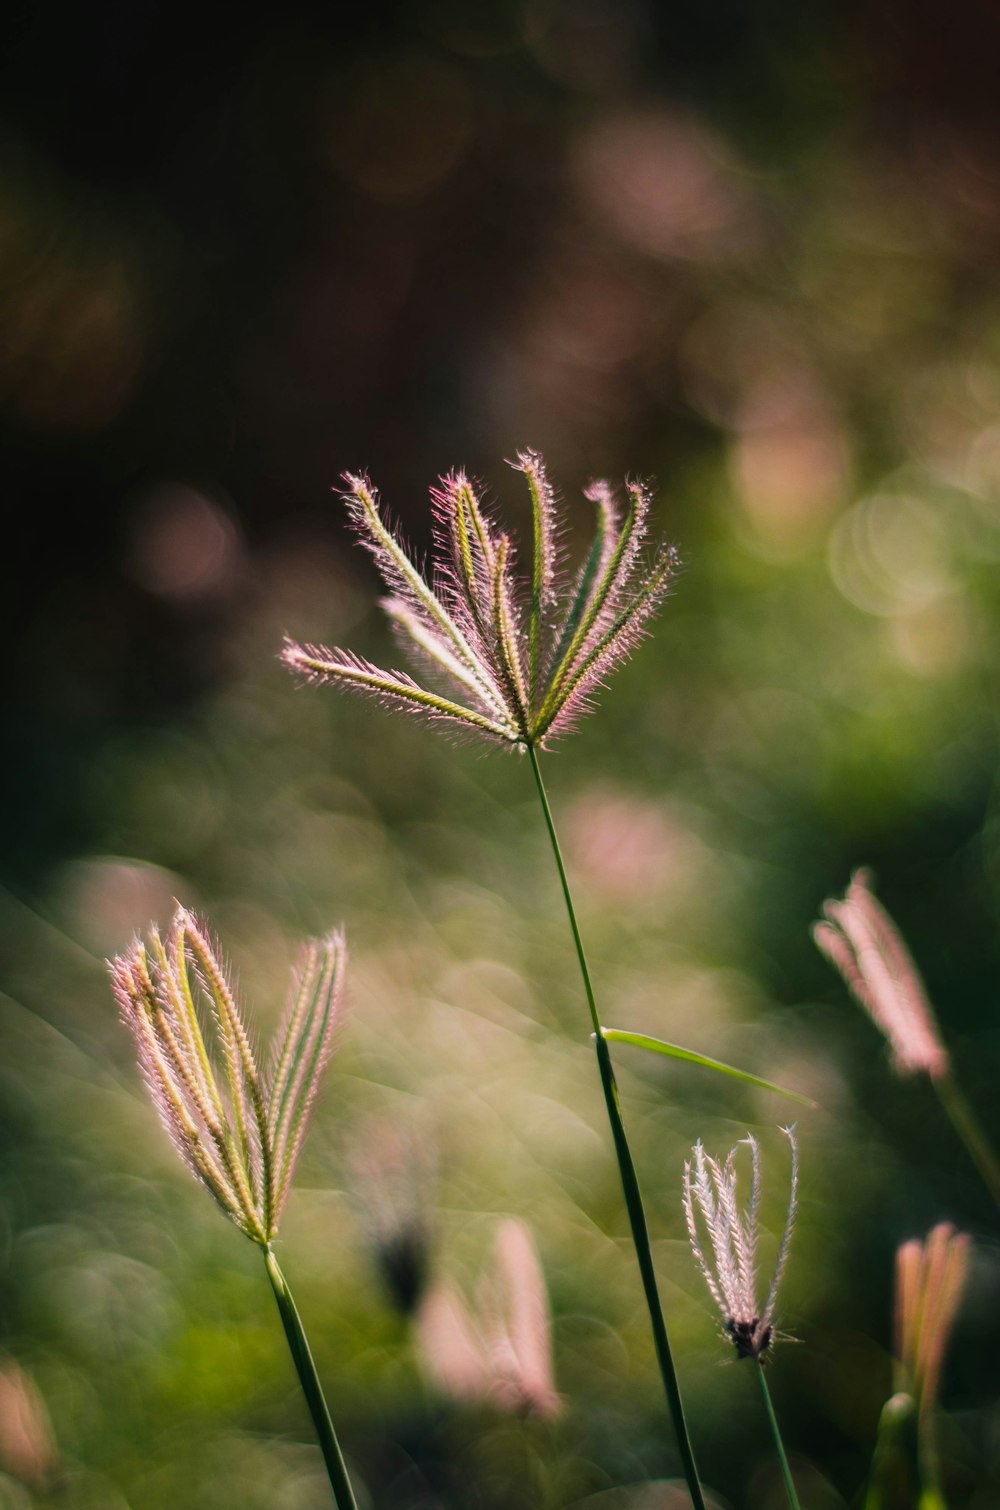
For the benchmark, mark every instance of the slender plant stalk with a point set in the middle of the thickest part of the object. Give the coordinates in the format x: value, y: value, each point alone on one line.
x: 965, y: 1122
x: 311, y: 1387
x: 931, y: 1496
x: 786, y: 1472
x: 626, y: 1166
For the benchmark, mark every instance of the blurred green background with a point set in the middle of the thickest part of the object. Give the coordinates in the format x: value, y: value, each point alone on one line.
x: 750, y: 251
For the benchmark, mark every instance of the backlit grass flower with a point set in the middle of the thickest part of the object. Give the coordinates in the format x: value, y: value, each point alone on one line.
x: 27, y: 1444
x: 519, y: 659
x: 930, y: 1278
x: 500, y: 1349
x: 710, y: 1190
x: 237, y: 1128
x: 860, y: 939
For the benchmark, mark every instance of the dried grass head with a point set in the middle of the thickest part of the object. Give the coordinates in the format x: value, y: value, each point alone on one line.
x: 520, y: 660
x: 710, y: 1192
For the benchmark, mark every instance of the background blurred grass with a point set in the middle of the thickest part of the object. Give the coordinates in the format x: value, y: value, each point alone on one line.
x: 748, y: 251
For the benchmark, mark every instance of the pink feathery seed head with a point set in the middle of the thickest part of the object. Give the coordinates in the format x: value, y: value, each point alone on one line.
x: 930, y: 1279
x: 518, y: 659
x: 238, y: 1131
x: 862, y: 942
x: 500, y: 1348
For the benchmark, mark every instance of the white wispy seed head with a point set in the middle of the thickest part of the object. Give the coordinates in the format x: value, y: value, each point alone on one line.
x: 710, y: 1191
x: 520, y: 659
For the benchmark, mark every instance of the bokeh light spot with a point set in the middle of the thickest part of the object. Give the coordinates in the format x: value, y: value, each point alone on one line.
x: 403, y: 128
x: 183, y: 545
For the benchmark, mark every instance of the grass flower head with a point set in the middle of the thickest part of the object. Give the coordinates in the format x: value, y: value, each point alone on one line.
x: 930, y: 1277
x: 710, y: 1191
x: 860, y: 939
x: 519, y: 659
x: 237, y: 1128
x: 500, y: 1349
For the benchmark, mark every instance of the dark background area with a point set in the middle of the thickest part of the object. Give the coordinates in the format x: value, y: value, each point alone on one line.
x: 244, y: 254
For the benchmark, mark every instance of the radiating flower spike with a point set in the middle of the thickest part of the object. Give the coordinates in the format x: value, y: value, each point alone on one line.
x: 239, y: 1135
x: 519, y: 663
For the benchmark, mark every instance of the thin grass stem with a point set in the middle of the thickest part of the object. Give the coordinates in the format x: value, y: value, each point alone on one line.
x: 302, y: 1357
x: 786, y: 1472
x: 965, y: 1122
x: 626, y: 1166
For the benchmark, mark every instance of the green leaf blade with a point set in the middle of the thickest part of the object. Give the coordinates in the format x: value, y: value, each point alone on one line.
x: 674, y: 1051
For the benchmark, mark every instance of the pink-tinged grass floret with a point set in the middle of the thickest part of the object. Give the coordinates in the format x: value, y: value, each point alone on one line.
x: 860, y: 939
x: 237, y: 1128
x: 520, y: 660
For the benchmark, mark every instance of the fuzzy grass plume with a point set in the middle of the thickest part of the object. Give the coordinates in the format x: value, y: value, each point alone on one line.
x: 499, y: 1348
x: 238, y: 1129
x: 520, y: 660
x: 861, y: 940
x: 930, y: 1279
x: 239, y: 1132
x: 710, y: 1190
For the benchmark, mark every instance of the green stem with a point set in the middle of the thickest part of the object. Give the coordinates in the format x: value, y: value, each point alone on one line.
x: 312, y: 1389
x: 786, y: 1472
x: 931, y: 1496
x: 965, y: 1122
x: 626, y: 1166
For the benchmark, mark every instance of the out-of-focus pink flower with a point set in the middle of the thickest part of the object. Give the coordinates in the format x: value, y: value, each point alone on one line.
x: 27, y: 1449
x: 930, y: 1277
x: 861, y: 940
x: 500, y: 1349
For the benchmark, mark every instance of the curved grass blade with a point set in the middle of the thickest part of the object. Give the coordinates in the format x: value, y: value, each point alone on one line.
x: 674, y: 1051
